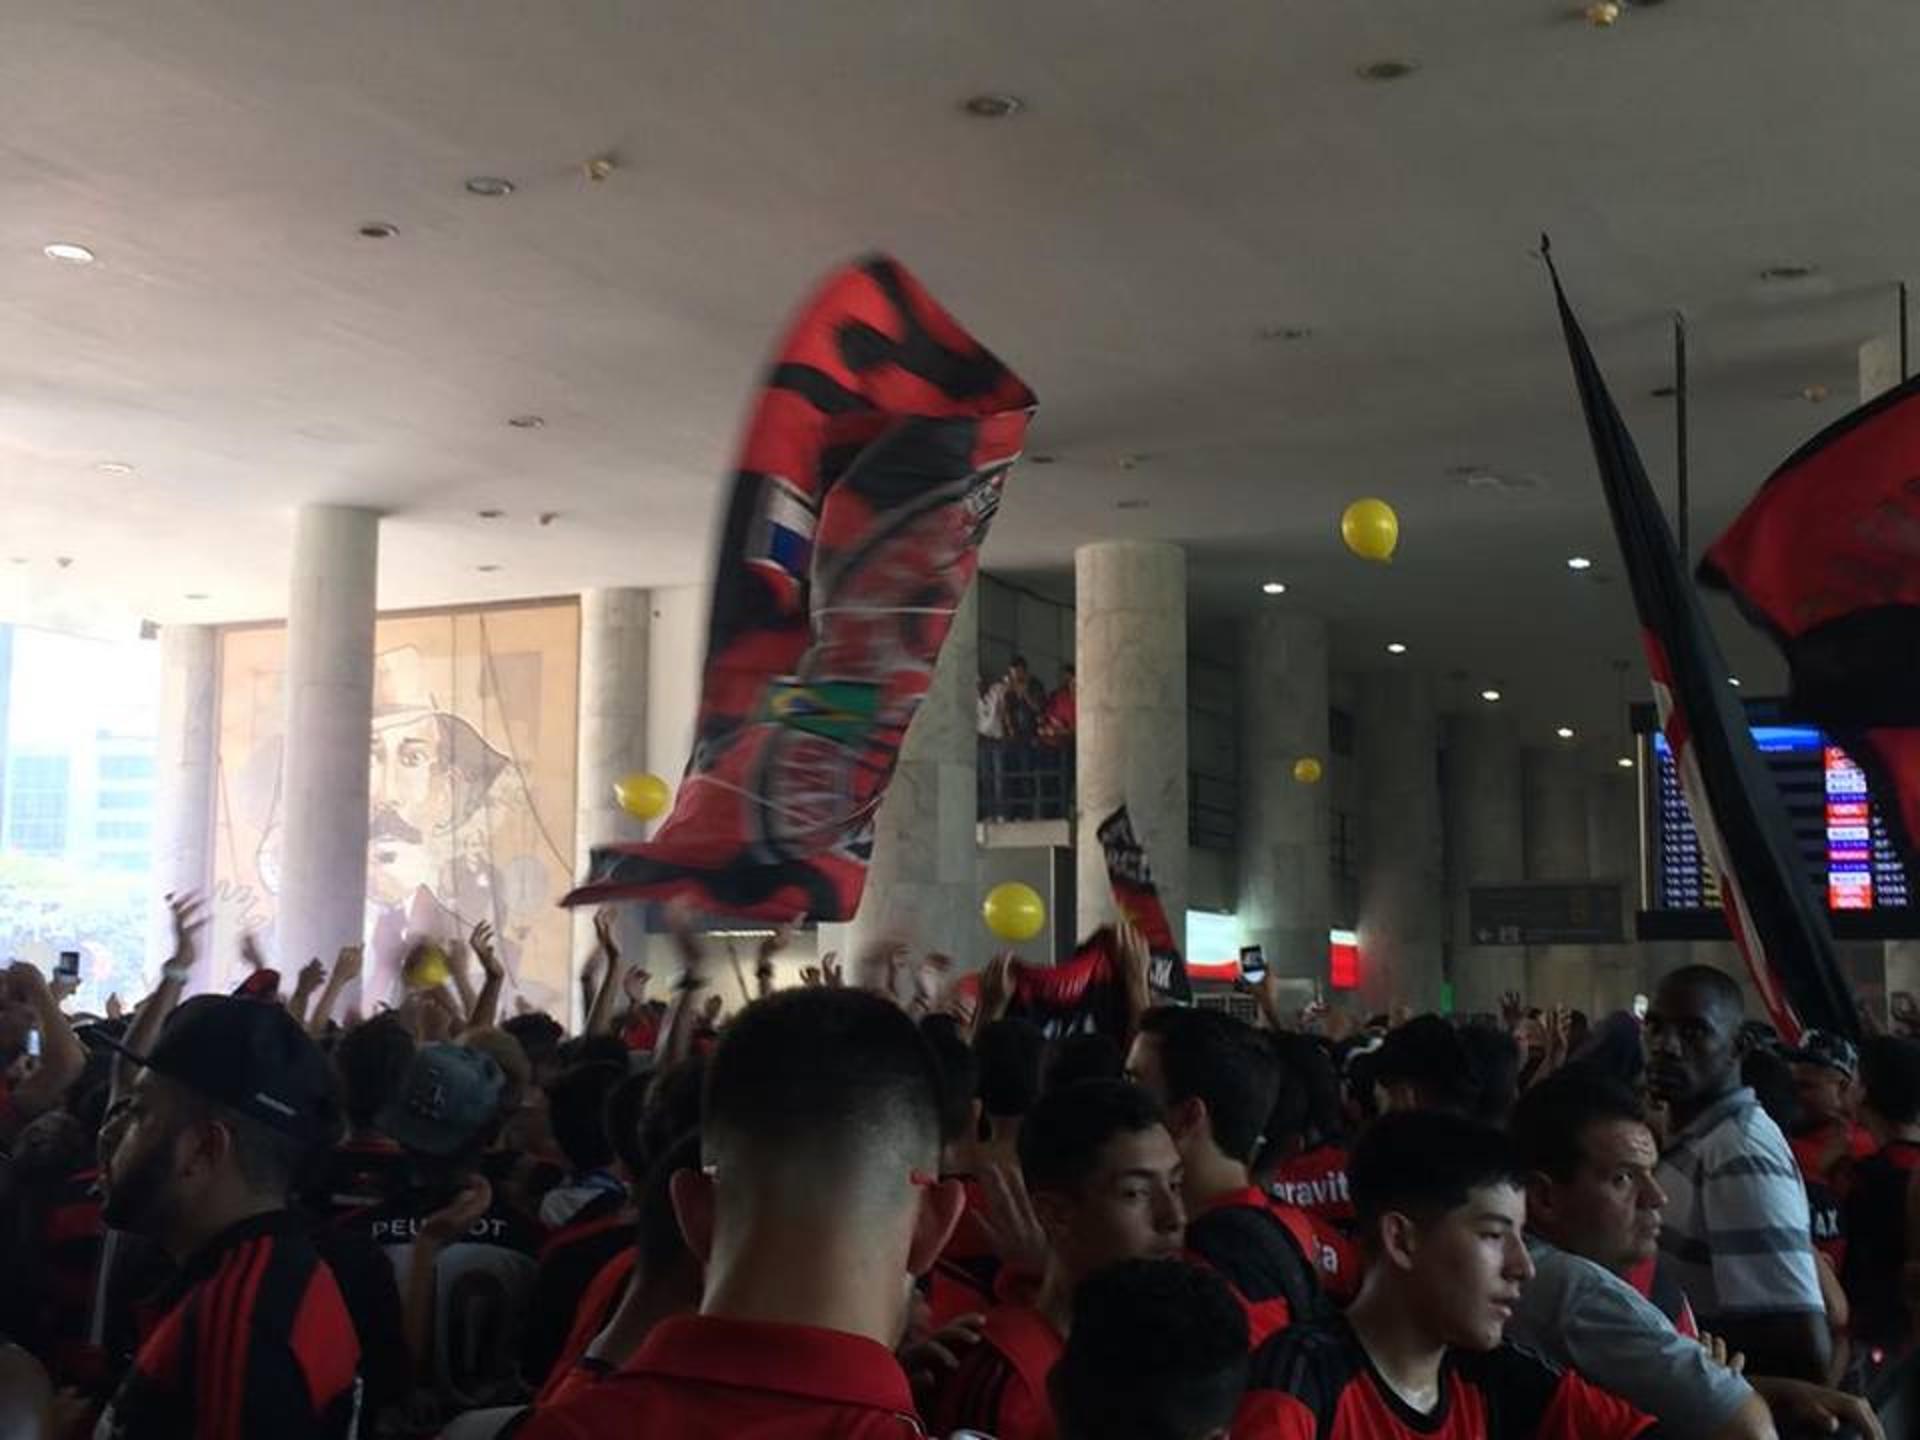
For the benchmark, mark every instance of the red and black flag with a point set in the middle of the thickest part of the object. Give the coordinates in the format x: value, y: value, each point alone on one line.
x: 871, y: 471
x: 1772, y: 910
x: 1138, y: 898
x: 1826, y: 559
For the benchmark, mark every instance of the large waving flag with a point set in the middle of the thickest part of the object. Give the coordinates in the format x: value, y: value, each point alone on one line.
x: 871, y: 470
x: 1826, y: 559
x: 1776, y: 919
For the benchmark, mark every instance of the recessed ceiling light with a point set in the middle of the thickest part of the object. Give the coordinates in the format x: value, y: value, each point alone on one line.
x: 72, y: 254
x: 1579, y: 562
x: 1625, y: 762
x: 1602, y: 13
x: 1565, y: 732
x: 196, y: 595
x: 1387, y: 69
x: 1815, y: 394
x: 486, y: 569
x: 993, y: 106
x: 1394, y: 647
x: 1285, y: 332
x: 378, y: 230
x: 1273, y: 587
x: 491, y: 514
x: 1491, y: 696
x: 1734, y: 680
x: 527, y: 422
x: 492, y: 187
x: 114, y: 467
x: 1775, y: 274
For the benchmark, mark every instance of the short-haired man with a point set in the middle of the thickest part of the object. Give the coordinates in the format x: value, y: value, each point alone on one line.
x: 817, y: 1205
x: 1419, y: 1353
x: 1886, y: 1189
x: 1425, y: 1065
x: 201, y: 1155
x: 1593, y: 1213
x: 1217, y: 1079
x: 1737, y: 1227
x: 1158, y: 1352
x: 1103, y: 1179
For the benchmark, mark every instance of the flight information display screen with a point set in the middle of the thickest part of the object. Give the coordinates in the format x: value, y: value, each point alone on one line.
x: 1839, y: 828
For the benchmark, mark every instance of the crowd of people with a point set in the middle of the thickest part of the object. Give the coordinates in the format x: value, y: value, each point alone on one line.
x: 1025, y: 742
x: 870, y: 1205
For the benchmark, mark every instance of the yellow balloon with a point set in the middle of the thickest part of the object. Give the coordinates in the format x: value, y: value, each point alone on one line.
x: 1014, y: 911
x: 641, y: 795
x: 426, y: 969
x: 1307, y: 770
x: 1371, y: 529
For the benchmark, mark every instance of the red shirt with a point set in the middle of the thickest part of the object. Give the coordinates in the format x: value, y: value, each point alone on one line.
x: 1827, y: 1157
x: 702, y: 1377
x: 1316, y: 1382
x: 1268, y: 1252
x: 1316, y: 1181
x: 1000, y: 1388
x: 1656, y: 1284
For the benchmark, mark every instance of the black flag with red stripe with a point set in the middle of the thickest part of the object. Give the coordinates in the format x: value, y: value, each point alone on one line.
x: 1826, y: 559
x: 1776, y: 919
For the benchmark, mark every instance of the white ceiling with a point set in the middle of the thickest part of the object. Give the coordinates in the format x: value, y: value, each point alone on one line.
x: 1183, y: 177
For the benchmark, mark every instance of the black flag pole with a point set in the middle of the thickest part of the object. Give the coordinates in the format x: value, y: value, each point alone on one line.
x: 1680, y: 431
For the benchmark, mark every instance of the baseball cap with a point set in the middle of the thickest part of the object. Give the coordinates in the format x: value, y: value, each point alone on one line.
x: 448, y: 1098
x: 254, y: 1059
x: 1823, y: 1047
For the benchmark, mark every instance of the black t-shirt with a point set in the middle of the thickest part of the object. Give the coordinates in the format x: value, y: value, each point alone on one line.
x: 254, y: 1341
x: 1877, y: 1246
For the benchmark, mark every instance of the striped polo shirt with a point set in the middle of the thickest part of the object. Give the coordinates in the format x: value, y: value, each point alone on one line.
x: 1736, y: 1228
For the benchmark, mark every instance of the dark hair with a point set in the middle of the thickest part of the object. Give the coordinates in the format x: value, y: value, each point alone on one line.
x: 592, y: 1050
x: 1424, y: 1163
x: 1771, y: 1078
x: 1019, y: 660
x: 1890, y: 1073
x: 620, y: 1118
x: 1064, y: 1133
x: 1309, y: 1103
x: 1551, y: 1122
x: 673, y: 1106
x: 1223, y: 1061
x: 539, y: 1034
x: 959, y: 1073
x: 839, y: 1076
x: 1429, y: 1054
x: 1010, y: 1054
x: 1090, y: 1056
x: 658, y: 1242
x: 576, y: 1105
x: 270, y: 1161
x: 369, y: 1061
x: 1724, y: 989
x: 1494, y: 1056
x: 1158, y: 1351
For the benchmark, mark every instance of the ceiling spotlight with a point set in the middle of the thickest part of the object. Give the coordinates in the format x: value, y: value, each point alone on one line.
x: 1273, y: 587
x: 1394, y: 647
x: 491, y: 187
x: 1579, y: 562
x: 1734, y: 680
x: 71, y: 254
x: 993, y: 106
x: 1565, y: 732
x: 114, y: 467
x: 1815, y: 394
x: 1603, y: 13
x: 1625, y: 762
x: 1386, y: 69
x: 378, y: 230
x: 527, y: 422
x: 1492, y: 697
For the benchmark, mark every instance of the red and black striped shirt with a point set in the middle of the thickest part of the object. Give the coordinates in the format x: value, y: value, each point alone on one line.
x: 253, y: 1340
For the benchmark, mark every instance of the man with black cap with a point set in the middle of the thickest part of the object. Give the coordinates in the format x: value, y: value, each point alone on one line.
x: 1829, y: 1140
x: 201, y: 1156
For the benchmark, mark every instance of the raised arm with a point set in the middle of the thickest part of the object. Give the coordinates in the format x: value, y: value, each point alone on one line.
x: 62, y: 1056
x: 189, y: 918
x: 485, y: 1009
x: 346, y: 970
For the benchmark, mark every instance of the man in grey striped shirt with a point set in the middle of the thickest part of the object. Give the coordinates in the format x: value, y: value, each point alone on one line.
x: 1737, y: 1229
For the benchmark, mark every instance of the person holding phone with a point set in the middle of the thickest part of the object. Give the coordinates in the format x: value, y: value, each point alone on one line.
x: 30, y: 1015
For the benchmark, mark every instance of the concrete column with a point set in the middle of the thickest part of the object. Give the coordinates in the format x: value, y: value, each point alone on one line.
x: 1402, y: 909
x: 1130, y: 639
x: 1285, y: 885
x: 612, y: 742
x: 1555, y: 798
x: 923, y: 886
x: 324, y: 780
x: 184, y: 776
x: 1485, y: 846
x: 1613, y: 843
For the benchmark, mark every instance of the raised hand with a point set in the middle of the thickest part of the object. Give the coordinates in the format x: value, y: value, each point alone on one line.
x: 603, y: 922
x: 347, y: 964
x: 1512, y: 1011
x: 189, y: 915
x: 250, y: 952
x: 115, y: 1010
x: 312, y: 976
x: 481, y: 942
x: 830, y: 970
x: 996, y: 987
